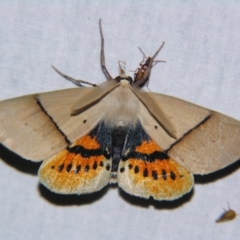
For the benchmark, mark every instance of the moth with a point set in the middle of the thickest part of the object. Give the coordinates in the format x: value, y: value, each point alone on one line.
x: 228, y: 215
x: 148, y: 143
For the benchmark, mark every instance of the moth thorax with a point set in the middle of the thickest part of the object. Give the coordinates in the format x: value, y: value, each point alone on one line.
x: 122, y: 106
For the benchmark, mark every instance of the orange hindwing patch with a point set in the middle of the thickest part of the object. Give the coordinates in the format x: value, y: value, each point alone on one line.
x: 146, y: 171
x: 83, y: 167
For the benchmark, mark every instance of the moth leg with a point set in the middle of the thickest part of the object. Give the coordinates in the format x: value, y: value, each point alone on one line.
x: 103, y: 65
x: 75, y: 81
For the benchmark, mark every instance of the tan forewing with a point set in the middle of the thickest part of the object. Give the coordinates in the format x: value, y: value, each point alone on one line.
x: 94, y: 95
x: 176, y: 111
x: 38, y: 126
x: 59, y: 104
x: 206, y: 140
x: 213, y: 145
x: 156, y: 112
x: 27, y: 130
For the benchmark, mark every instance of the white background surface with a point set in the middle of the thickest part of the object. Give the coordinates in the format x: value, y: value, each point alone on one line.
x: 202, y: 51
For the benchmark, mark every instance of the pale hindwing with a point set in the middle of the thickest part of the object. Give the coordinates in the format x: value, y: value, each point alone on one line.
x: 206, y: 140
x: 83, y: 167
x: 40, y: 125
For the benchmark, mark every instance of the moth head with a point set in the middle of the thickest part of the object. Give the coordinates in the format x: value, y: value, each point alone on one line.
x: 122, y: 74
x: 125, y: 77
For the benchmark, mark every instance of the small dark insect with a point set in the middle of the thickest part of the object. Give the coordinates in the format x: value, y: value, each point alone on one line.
x: 141, y: 75
x: 228, y: 215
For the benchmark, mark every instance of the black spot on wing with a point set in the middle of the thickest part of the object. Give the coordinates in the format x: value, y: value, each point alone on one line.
x: 69, y: 167
x: 77, y: 169
x: 95, y: 165
x: 154, y: 175
x: 136, y: 169
x: 164, y: 174
x: 108, y: 167
x: 172, y: 175
x: 60, y: 168
x: 145, y: 172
